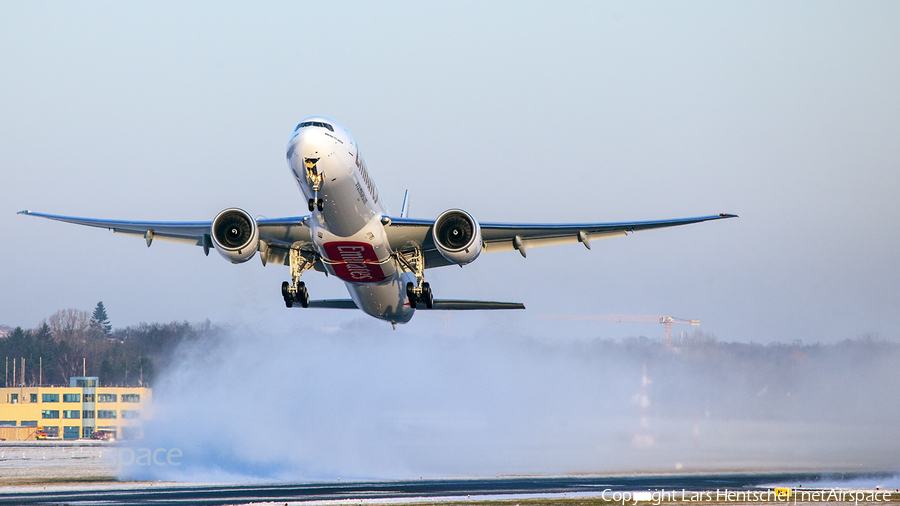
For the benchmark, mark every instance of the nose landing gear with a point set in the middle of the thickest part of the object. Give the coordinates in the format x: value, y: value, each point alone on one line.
x: 316, y: 203
x: 314, y: 178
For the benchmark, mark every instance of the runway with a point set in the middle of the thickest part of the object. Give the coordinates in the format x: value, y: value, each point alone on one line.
x: 168, y: 494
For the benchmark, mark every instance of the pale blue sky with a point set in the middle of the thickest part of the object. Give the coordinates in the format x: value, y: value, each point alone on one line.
x: 785, y: 113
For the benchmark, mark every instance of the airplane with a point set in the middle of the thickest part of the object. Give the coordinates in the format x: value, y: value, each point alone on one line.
x: 350, y: 234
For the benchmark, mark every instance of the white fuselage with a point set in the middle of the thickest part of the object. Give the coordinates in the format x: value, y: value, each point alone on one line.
x: 348, y: 233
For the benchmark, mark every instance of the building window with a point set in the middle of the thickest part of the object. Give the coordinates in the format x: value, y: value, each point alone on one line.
x: 87, y: 414
x: 85, y: 383
x: 131, y: 397
x: 13, y: 398
x: 71, y: 397
x: 33, y: 397
x: 131, y: 413
x: 28, y: 423
x: 49, y: 397
x: 51, y: 431
x: 71, y: 413
x: 106, y: 413
x: 106, y: 397
x: 50, y: 413
x: 7, y: 423
x: 88, y: 397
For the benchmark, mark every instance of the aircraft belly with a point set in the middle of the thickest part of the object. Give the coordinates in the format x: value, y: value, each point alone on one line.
x: 386, y: 301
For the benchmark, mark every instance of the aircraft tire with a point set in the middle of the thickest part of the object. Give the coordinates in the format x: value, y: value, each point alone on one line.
x: 302, y: 294
x: 427, y: 296
x: 411, y: 295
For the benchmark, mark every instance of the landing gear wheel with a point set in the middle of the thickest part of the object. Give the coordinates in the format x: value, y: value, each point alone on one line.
x: 426, y: 295
x: 286, y: 294
x: 298, y: 295
x: 320, y: 205
x: 411, y: 294
x: 302, y: 295
x: 312, y: 205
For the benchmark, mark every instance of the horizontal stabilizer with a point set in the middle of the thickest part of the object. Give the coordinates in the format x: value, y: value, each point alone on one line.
x: 468, y: 305
x: 333, y: 304
x: 445, y: 305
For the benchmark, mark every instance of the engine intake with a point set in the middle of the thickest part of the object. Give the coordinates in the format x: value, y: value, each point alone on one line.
x: 457, y: 236
x: 235, y: 235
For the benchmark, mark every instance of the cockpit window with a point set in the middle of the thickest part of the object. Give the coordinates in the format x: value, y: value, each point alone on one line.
x: 314, y: 123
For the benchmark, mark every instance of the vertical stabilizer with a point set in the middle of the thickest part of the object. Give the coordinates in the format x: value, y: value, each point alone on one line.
x: 404, y: 209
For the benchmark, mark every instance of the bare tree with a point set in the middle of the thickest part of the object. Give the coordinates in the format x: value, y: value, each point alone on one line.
x: 69, y: 325
x: 71, y: 328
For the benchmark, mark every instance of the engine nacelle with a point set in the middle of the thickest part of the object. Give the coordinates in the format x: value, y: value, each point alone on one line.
x: 457, y: 236
x: 235, y: 235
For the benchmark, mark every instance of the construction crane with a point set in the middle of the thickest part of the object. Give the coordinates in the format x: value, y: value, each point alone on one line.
x: 619, y: 318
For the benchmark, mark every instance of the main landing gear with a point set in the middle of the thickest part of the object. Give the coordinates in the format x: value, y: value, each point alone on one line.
x: 420, y: 291
x: 295, y: 291
x: 419, y: 294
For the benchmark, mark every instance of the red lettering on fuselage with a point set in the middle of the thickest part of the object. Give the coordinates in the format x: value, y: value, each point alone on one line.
x: 355, y: 262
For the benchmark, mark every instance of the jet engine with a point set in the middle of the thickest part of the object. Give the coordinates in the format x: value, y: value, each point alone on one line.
x: 235, y: 235
x: 457, y: 236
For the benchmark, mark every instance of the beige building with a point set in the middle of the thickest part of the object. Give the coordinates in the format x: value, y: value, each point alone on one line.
x: 73, y: 412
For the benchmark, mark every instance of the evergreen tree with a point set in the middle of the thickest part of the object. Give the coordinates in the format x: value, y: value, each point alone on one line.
x: 100, y: 320
x: 43, y: 333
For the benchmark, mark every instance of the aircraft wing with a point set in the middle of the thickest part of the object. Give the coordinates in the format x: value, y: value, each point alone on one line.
x: 410, y: 233
x: 278, y: 233
x: 403, y: 233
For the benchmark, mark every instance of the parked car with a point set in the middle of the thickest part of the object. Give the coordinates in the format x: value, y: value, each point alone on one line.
x: 104, y: 435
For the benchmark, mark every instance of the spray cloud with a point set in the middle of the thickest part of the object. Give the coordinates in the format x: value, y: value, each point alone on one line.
x: 253, y: 403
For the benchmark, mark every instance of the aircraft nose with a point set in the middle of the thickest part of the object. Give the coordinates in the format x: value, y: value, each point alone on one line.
x: 310, y: 143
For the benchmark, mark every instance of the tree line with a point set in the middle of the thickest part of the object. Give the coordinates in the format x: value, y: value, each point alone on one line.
x: 72, y: 342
